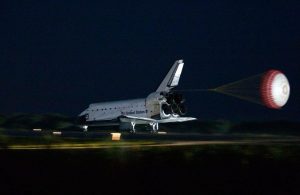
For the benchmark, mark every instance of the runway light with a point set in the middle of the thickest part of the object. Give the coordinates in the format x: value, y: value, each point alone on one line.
x: 37, y: 129
x: 56, y: 132
x: 115, y: 136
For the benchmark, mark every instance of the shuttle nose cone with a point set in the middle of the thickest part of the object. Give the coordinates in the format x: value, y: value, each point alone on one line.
x: 82, y: 119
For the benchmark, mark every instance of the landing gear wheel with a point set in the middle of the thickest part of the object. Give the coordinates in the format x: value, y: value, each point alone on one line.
x: 153, y: 132
x: 132, y: 131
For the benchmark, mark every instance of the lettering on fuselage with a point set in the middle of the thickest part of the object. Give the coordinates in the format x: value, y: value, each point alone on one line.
x: 135, y: 112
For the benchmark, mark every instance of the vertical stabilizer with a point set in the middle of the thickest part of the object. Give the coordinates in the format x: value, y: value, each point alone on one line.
x: 172, y: 78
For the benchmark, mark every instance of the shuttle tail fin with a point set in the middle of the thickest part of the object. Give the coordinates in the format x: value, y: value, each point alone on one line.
x: 172, y: 78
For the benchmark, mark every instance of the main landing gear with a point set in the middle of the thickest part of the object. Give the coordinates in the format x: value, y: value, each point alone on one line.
x: 132, y: 130
x: 154, y: 126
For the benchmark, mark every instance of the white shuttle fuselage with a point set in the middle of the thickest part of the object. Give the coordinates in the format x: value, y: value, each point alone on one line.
x: 161, y: 106
x: 112, y: 110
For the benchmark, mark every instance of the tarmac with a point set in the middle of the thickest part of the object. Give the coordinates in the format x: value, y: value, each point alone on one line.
x: 104, y: 139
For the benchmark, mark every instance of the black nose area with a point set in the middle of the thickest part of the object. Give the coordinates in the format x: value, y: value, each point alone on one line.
x: 82, y: 119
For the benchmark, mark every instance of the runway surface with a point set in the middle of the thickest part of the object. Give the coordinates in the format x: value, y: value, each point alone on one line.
x: 102, y: 140
x: 133, y: 145
x: 170, y: 163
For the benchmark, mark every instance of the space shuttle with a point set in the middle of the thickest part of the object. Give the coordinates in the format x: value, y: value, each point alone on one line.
x: 165, y: 105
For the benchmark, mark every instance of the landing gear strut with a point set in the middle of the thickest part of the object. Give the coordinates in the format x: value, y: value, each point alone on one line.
x: 154, y: 126
x: 132, y: 127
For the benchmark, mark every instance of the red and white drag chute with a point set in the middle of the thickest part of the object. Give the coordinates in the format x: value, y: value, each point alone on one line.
x: 274, y: 89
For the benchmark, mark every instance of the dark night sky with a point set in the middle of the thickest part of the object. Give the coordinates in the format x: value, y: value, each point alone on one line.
x: 59, y: 57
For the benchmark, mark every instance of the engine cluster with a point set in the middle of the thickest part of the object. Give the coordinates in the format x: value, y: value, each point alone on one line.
x: 173, y: 104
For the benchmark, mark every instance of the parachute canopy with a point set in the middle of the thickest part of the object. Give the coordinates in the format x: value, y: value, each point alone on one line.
x: 270, y: 89
x: 275, y: 89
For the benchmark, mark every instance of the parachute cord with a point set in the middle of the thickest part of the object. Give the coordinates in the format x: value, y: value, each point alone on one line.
x: 239, y: 81
x: 240, y: 97
x: 192, y: 90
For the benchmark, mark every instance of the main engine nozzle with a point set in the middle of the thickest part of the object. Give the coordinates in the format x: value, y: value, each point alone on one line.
x: 174, y: 104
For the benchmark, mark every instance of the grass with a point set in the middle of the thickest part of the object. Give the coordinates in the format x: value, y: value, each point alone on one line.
x: 217, y: 169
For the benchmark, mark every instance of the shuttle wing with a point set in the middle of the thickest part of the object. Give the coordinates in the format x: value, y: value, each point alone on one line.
x: 172, y: 78
x: 137, y: 120
x: 143, y: 120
